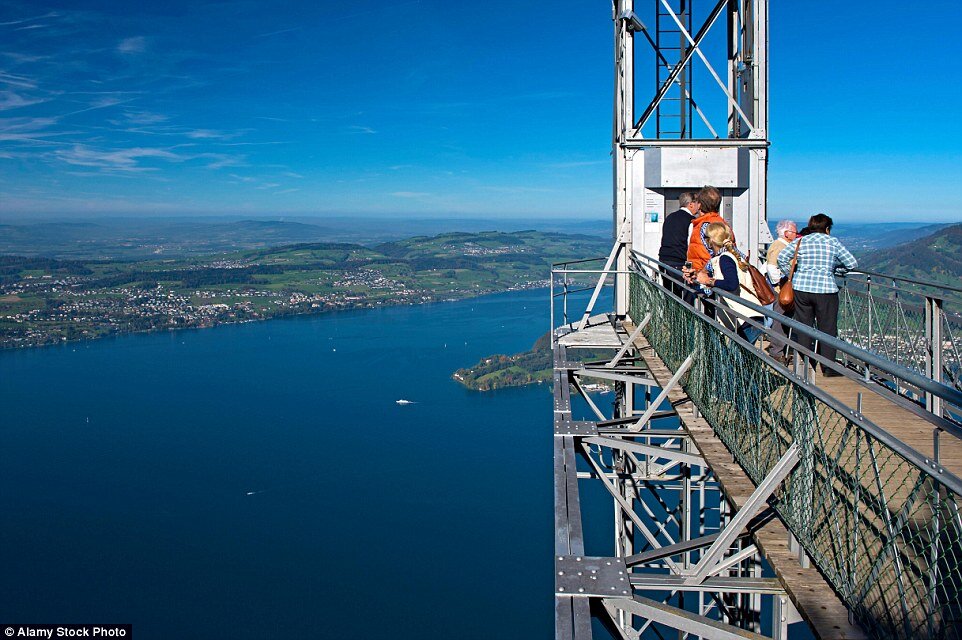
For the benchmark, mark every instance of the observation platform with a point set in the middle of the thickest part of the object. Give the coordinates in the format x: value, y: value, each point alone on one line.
x: 774, y: 495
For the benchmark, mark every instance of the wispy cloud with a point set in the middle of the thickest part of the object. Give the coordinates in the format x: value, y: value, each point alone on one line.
x: 220, y: 161
x: 136, y: 44
x: 21, y: 58
x: 278, y: 32
x: 203, y: 134
x: 143, y: 117
x: 115, y: 160
x: 357, y: 128
x: 52, y: 14
x: 13, y: 80
x: 10, y: 100
x: 29, y: 132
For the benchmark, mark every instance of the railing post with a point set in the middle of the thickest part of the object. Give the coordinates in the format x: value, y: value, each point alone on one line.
x: 551, y: 320
x: 564, y: 297
x: 868, y: 299
x: 933, y: 350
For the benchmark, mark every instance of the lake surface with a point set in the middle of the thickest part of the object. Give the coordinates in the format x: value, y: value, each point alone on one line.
x: 259, y: 480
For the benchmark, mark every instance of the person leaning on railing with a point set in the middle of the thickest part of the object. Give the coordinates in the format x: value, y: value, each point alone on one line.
x: 787, y: 230
x: 699, y: 248
x: 728, y: 270
x: 816, y: 294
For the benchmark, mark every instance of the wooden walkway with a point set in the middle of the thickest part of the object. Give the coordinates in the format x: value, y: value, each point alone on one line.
x: 896, y: 420
x: 812, y: 596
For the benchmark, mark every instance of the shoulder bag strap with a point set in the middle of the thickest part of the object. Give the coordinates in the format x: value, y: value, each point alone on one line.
x: 791, y: 271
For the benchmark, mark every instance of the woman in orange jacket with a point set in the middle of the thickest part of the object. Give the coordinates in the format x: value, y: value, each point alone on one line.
x: 699, y: 246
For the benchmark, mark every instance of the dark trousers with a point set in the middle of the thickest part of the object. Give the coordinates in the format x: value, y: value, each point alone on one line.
x: 817, y: 310
x: 668, y: 280
x: 776, y: 345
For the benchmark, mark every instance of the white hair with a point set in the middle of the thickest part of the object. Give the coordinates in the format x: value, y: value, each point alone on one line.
x: 783, y: 225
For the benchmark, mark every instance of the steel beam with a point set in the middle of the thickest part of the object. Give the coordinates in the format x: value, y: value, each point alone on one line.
x: 755, y: 503
x: 680, y: 619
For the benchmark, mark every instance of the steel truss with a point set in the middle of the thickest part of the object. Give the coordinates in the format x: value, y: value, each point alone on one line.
x: 683, y: 558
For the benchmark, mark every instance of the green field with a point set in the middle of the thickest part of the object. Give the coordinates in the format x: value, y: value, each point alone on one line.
x: 45, y: 301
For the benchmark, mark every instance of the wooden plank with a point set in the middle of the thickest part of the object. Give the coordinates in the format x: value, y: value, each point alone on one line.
x: 811, y: 594
x: 901, y: 423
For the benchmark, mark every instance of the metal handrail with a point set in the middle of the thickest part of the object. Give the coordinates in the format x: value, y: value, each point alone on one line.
x: 567, y: 262
x: 924, y: 283
x: 938, y: 389
x: 859, y: 490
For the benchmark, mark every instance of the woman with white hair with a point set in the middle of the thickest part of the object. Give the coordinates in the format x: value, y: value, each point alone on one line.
x: 787, y: 232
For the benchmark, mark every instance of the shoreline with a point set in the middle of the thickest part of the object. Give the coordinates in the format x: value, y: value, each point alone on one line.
x: 280, y: 316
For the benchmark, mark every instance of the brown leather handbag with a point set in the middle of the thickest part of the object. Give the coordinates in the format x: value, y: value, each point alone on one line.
x: 786, y: 296
x: 760, y: 288
x: 763, y: 291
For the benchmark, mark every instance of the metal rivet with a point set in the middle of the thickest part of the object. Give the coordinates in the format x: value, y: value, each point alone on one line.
x: 624, y: 592
x: 622, y: 579
x: 578, y: 559
x: 561, y: 588
x: 581, y: 589
x: 561, y: 573
x: 579, y: 573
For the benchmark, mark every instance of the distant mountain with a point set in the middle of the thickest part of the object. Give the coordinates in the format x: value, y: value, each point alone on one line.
x: 936, y: 257
x: 178, y: 237
x: 151, y: 238
x: 864, y: 238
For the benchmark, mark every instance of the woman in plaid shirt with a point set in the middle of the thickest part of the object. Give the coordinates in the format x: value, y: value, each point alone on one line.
x: 816, y: 294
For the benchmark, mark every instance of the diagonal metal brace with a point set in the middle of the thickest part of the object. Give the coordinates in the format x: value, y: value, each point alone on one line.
x: 615, y: 251
x: 686, y: 58
x: 653, y: 407
x: 652, y: 451
x: 710, y: 562
x: 626, y: 506
x: 681, y: 619
x: 630, y: 342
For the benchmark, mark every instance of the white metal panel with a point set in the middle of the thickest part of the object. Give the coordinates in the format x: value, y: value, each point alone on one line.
x: 686, y: 167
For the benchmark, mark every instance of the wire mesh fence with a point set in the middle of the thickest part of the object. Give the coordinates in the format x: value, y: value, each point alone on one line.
x: 896, y: 319
x: 883, y: 530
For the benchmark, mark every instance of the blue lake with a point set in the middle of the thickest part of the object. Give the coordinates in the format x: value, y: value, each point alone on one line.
x: 259, y: 480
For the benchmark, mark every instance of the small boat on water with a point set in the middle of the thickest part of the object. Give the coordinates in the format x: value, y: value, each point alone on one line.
x: 403, y: 401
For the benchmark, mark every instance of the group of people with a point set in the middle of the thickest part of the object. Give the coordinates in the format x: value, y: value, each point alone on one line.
x: 698, y: 242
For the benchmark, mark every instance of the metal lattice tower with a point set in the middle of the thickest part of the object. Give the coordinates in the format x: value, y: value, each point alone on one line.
x: 680, y: 140
x: 747, y: 494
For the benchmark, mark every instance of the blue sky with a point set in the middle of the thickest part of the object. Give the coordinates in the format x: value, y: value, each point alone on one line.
x: 430, y: 108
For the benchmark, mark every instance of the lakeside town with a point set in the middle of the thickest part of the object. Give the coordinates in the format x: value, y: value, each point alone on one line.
x: 44, y: 301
